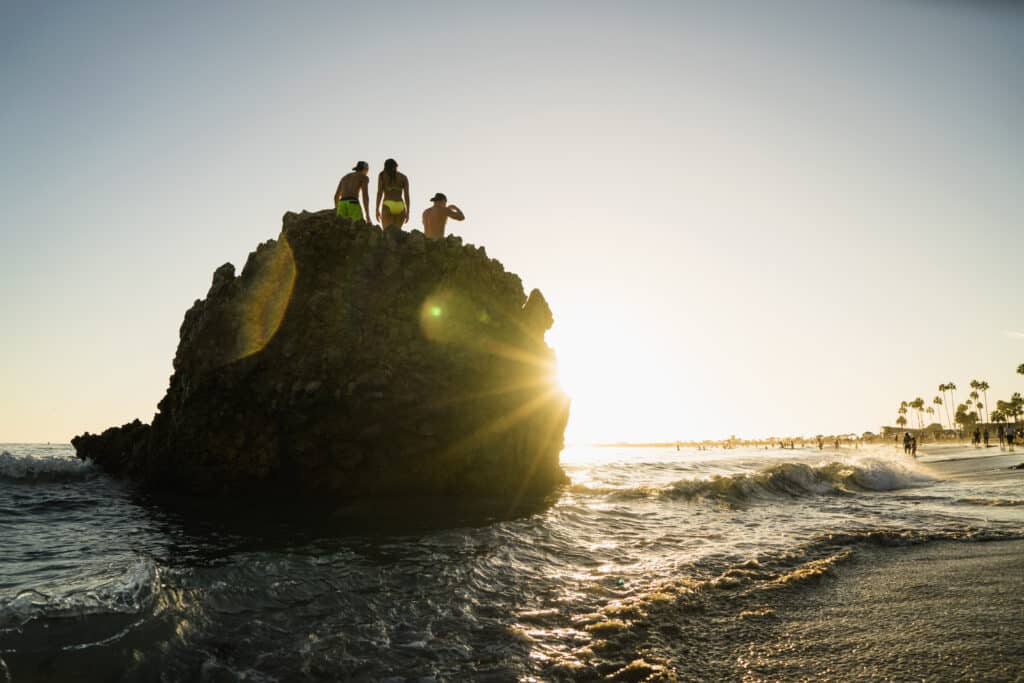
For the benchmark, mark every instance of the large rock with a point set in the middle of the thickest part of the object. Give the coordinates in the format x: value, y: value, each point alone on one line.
x: 349, y: 361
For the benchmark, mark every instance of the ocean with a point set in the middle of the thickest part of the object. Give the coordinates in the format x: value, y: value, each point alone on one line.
x: 100, y: 581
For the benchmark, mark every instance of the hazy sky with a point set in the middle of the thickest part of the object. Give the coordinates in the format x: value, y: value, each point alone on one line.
x: 748, y: 217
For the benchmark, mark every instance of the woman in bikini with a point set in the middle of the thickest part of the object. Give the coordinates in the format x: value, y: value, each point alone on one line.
x: 393, y: 188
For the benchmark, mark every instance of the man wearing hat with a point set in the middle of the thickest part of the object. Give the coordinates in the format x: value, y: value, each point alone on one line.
x: 436, y: 217
x: 346, y: 197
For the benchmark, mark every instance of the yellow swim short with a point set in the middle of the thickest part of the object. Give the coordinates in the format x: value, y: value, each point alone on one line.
x: 349, y: 209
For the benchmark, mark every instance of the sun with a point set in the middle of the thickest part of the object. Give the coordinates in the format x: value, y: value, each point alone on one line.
x: 617, y: 390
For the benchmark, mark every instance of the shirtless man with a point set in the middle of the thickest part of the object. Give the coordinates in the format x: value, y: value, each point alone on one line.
x: 436, y: 217
x: 393, y: 190
x: 346, y: 201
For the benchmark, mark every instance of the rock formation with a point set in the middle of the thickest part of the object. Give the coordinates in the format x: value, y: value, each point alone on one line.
x: 348, y: 361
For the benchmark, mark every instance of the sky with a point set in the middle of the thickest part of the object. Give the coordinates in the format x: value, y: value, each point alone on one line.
x: 749, y: 217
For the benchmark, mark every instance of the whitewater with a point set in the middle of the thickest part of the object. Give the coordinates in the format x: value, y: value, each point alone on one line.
x: 101, y: 578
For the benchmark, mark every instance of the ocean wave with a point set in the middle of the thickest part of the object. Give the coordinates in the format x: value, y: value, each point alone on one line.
x: 32, y: 468
x: 785, y: 480
x: 128, y: 593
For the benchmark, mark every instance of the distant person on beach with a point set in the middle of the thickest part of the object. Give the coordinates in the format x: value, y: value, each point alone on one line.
x: 346, y: 197
x: 1002, y: 437
x: 984, y: 436
x: 436, y: 217
x: 1011, y: 434
x: 906, y: 443
x: 913, y: 446
x: 976, y: 438
x: 393, y: 192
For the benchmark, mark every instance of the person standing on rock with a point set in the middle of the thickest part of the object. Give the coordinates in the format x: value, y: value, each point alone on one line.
x: 346, y: 197
x: 393, y: 189
x: 436, y: 217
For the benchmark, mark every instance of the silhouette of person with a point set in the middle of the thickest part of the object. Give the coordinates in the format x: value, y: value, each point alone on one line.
x: 346, y: 197
x: 984, y: 436
x: 393, y: 191
x: 435, y: 218
x: 913, y: 446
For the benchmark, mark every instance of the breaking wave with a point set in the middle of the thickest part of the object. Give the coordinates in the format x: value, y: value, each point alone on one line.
x: 32, y: 468
x: 128, y: 593
x: 786, y: 480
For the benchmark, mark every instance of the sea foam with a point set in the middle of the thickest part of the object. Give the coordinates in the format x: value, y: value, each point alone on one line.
x: 784, y: 480
x: 50, y: 468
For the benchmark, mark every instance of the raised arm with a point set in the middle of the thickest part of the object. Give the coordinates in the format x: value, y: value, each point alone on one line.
x: 380, y: 193
x: 337, y: 193
x: 456, y: 213
x: 408, y: 206
x: 366, y: 197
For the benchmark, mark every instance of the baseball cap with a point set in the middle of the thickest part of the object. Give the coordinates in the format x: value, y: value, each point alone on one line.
x: 360, y: 166
x: 439, y: 197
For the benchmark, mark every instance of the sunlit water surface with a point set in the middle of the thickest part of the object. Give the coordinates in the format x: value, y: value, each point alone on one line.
x: 96, y: 577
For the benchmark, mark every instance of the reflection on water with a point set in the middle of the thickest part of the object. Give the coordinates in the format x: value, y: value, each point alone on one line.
x: 97, y: 577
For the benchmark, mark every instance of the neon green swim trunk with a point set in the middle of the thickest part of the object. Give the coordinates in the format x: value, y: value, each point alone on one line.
x: 395, y: 206
x: 348, y: 208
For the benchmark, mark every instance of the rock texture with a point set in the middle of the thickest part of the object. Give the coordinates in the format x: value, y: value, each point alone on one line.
x: 349, y: 361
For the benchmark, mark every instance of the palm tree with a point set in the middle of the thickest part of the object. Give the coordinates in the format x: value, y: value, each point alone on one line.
x: 1020, y: 369
x: 918, y: 405
x: 943, y: 388
x: 931, y: 414
x: 983, y: 388
x: 938, y: 401
x: 952, y: 392
x: 901, y: 421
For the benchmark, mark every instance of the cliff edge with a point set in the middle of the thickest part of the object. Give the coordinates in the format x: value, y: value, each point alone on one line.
x: 348, y: 361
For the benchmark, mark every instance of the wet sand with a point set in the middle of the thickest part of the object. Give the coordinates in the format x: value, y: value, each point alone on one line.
x: 946, y: 611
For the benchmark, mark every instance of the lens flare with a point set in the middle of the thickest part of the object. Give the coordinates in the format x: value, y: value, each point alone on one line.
x: 266, y: 290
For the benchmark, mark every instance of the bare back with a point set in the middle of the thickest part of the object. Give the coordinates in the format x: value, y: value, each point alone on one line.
x: 435, y: 219
x: 393, y: 190
x: 351, y: 184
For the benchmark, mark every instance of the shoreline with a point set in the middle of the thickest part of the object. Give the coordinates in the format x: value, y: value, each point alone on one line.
x: 939, y: 610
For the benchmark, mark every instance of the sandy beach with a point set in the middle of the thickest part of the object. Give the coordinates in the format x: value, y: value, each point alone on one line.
x: 939, y: 612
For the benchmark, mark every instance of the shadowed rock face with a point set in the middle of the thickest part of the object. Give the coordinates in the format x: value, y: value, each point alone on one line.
x: 347, y: 361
